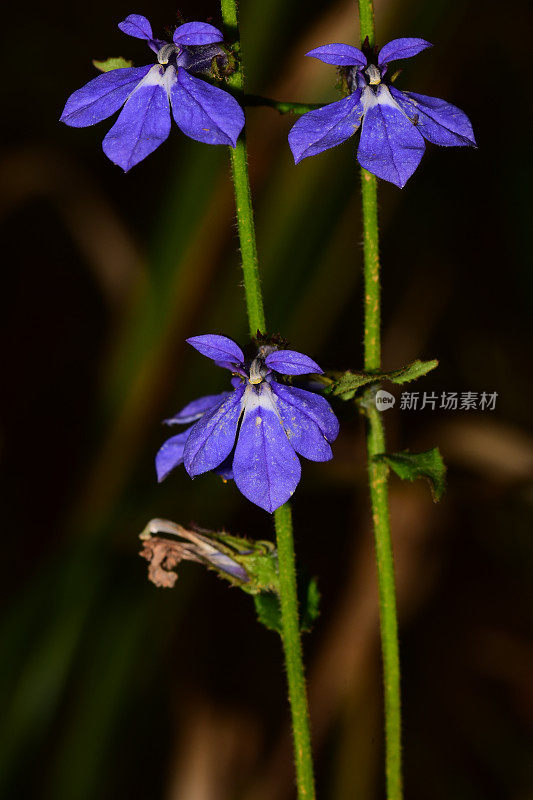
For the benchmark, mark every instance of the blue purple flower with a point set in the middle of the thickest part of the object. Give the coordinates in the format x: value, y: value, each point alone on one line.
x: 394, y: 123
x: 253, y: 433
x: 203, y: 112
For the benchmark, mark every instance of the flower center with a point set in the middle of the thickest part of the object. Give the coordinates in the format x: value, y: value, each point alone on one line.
x: 167, y: 52
x: 373, y: 75
x: 258, y: 371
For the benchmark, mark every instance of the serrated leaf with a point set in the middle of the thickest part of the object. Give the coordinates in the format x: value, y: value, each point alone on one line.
x: 112, y: 63
x: 412, y: 371
x: 348, y: 383
x: 428, y: 464
x: 269, y: 612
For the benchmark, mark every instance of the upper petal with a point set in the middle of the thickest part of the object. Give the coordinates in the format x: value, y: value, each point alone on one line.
x: 265, y: 467
x: 340, y: 55
x: 218, y: 348
x: 438, y: 121
x: 204, y: 112
x: 325, y: 127
x: 196, y: 33
x: 170, y: 455
x: 289, y: 362
x: 143, y: 124
x: 304, y: 434
x: 390, y: 146
x: 313, y: 405
x: 196, y: 409
x: 212, y: 438
x: 102, y: 96
x: 401, y: 48
x: 136, y: 25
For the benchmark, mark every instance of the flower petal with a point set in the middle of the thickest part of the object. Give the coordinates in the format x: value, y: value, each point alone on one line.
x: 102, y: 96
x: 325, y: 127
x: 196, y: 409
x: 137, y: 26
x: 314, y: 405
x: 197, y: 33
x: 225, y: 470
x: 199, y: 59
x: 265, y: 467
x: 340, y: 55
x: 170, y: 455
x: 304, y: 434
x: 390, y: 146
x: 401, y: 48
x: 218, y: 348
x: 212, y: 438
x: 438, y: 121
x: 143, y: 124
x: 289, y: 362
x: 204, y: 112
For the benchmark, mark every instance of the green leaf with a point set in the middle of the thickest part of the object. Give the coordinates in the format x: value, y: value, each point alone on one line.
x: 268, y: 610
x: 310, y: 610
x: 269, y: 613
x: 350, y: 382
x: 346, y: 385
x: 412, y: 371
x: 112, y: 63
x: 428, y: 464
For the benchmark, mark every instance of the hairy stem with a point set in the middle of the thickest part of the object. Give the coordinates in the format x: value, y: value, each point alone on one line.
x: 282, y: 517
x: 377, y: 472
x: 293, y: 653
x: 379, y: 496
x: 241, y: 185
x: 372, y: 339
x: 366, y: 21
x: 245, y: 224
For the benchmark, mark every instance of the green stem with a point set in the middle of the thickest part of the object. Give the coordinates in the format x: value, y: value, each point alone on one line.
x: 245, y: 225
x: 293, y: 653
x: 282, y: 517
x: 241, y: 185
x: 280, y: 105
x: 366, y: 21
x: 372, y: 340
x: 379, y: 496
x: 378, y: 472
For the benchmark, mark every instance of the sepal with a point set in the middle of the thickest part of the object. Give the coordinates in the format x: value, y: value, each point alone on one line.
x: 225, y: 64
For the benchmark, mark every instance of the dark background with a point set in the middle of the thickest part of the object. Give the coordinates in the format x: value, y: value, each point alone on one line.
x: 113, y: 688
